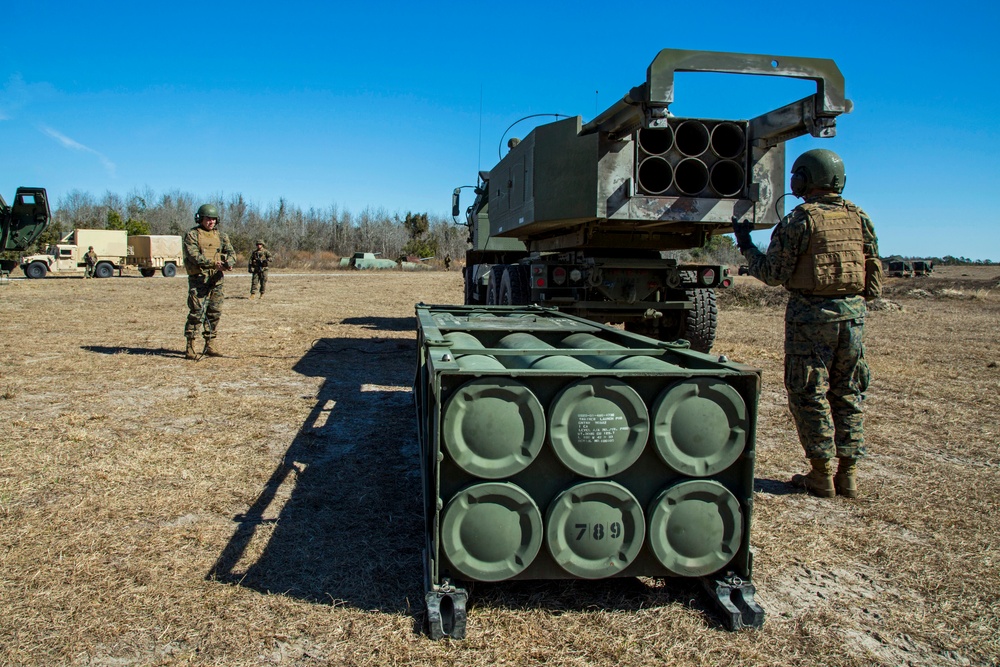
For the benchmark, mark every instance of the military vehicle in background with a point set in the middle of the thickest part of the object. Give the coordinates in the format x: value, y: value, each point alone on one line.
x: 900, y: 269
x: 923, y: 267
x: 576, y: 215
x: 367, y: 260
x: 152, y: 253
x: 111, y: 246
x: 415, y: 263
x: 22, y: 222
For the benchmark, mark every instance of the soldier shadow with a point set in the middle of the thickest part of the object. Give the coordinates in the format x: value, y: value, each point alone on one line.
x: 122, y: 349
x: 774, y: 487
x: 384, y: 323
x: 339, y: 521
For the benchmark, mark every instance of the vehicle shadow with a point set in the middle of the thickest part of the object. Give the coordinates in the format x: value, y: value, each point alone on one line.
x: 341, y: 515
x: 122, y: 349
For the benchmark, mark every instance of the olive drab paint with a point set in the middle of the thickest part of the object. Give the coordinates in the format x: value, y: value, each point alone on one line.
x: 24, y: 220
x: 553, y: 447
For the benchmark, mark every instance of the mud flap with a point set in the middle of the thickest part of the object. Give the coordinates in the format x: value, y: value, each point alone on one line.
x: 446, y: 612
x: 735, y: 598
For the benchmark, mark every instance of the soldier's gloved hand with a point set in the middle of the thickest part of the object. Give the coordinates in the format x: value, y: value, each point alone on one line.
x: 741, y: 230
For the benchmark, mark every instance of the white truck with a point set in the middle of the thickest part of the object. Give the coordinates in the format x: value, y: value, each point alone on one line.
x: 152, y: 253
x: 111, y: 246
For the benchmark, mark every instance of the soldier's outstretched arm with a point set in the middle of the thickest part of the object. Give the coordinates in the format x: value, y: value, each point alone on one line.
x: 788, y: 241
x: 873, y: 265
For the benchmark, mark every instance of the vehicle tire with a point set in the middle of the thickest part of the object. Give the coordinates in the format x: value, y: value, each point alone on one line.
x: 103, y: 270
x: 697, y: 326
x: 169, y: 270
x: 700, y: 323
x: 467, y: 272
x: 147, y: 273
x: 35, y: 270
x: 514, y: 286
x: 493, y: 289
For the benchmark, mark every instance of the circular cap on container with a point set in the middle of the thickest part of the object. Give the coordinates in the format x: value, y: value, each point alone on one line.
x: 493, y: 427
x: 595, y: 529
x: 699, y: 426
x: 695, y: 527
x: 491, y: 531
x: 598, y: 426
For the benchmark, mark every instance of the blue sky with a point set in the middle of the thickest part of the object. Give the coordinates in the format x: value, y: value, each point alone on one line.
x: 392, y: 105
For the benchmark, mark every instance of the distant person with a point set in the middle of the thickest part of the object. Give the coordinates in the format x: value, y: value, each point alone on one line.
x: 825, y: 253
x: 259, y: 260
x: 447, y: 262
x: 207, y: 255
x: 90, y: 262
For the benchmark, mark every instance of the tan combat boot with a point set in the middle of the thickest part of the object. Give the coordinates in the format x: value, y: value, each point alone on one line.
x: 211, y: 348
x: 189, y: 353
x: 819, y: 481
x: 845, y: 481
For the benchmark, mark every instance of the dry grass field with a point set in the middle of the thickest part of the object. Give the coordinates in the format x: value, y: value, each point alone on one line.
x: 263, y: 508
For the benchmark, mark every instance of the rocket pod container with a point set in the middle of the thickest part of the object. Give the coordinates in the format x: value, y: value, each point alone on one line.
x: 554, y: 447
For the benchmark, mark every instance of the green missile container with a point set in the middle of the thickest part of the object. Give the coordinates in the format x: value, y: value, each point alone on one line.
x: 553, y: 447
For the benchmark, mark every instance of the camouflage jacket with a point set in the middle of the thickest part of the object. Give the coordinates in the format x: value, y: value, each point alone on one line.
x: 789, y: 240
x: 90, y: 259
x: 259, y: 259
x: 195, y: 259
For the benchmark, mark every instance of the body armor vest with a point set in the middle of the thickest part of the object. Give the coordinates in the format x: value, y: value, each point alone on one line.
x: 834, y: 262
x: 210, y: 244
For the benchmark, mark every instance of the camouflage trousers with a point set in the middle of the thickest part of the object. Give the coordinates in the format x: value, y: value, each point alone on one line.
x: 205, y: 297
x: 826, y: 376
x: 259, y: 278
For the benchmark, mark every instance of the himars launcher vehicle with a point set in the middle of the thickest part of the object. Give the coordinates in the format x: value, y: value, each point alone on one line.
x: 22, y: 222
x: 576, y: 215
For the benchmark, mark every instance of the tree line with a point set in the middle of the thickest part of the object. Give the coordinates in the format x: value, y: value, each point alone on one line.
x: 293, y: 234
x: 289, y: 231
x: 947, y: 260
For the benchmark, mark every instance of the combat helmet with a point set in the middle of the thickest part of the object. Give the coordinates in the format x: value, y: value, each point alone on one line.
x: 819, y: 169
x: 206, y: 211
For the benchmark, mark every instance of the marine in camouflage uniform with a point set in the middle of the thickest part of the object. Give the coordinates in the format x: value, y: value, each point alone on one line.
x: 825, y: 253
x: 207, y: 255
x: 259, y: 260
x: 90, y: 263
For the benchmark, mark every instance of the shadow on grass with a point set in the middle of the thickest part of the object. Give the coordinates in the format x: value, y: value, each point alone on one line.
x: 621, y: 594
x: 384, y: 323
x: 350, y: 531
x: 775, y: 487
x: 340, y: 521
x: 121, y: 349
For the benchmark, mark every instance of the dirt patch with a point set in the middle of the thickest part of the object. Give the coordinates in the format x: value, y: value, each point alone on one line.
x: 263, y: 508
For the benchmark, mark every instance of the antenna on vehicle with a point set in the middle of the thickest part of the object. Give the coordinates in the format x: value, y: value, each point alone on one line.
x: 479, y: 157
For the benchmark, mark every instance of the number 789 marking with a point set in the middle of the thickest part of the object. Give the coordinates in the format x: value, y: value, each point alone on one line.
x: 597, y: 531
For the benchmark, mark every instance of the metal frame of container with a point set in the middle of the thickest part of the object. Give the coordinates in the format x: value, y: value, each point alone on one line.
x: 554, y: 447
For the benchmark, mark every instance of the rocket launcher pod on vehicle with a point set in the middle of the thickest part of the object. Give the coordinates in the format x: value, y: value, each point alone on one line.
x: 638, y: 177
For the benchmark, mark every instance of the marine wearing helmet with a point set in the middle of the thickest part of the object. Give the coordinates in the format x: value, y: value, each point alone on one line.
x: 825, y: 253
x: 208, y: 253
